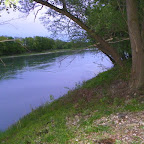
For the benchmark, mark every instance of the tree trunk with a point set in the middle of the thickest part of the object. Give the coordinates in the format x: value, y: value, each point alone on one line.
x: 105, y: 47
x: 136, y: 44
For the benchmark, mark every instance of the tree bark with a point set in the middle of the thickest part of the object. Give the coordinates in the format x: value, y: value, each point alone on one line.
x: 105, y: 46
x: 136, y: 44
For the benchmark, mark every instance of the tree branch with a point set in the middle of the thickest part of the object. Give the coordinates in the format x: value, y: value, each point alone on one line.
x: 119, y: 40
x: 78, y: 21
x: 38, y: 12
x: 64, y: 5
x: 2, y: 62
x: 8, y: 40
x: 110, y: 41
x: 105, y: 47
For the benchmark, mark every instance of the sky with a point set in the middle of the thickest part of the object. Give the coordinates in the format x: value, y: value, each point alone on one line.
x: 18, y: 24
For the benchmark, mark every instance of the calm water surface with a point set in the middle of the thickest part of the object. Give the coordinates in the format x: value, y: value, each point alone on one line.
x: 27, y: 82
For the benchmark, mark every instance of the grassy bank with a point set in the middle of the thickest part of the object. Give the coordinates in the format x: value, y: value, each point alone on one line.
x: 102, y: 110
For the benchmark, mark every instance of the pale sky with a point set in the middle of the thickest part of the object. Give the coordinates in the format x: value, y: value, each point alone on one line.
x: 20, y: 25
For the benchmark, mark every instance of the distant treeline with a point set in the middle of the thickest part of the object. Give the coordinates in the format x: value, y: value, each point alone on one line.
x: 12, y: 46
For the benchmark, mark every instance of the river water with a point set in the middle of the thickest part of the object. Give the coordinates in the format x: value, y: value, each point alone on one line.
x: 27, y: 82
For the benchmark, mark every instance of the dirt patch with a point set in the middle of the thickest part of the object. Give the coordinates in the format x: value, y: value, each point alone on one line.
x: 125, y: 128
x: 106, y: 141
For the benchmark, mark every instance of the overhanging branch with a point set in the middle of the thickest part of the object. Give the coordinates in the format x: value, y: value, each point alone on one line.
x: 78, y: 21
x: 105, y: 47
x: 15, y: 40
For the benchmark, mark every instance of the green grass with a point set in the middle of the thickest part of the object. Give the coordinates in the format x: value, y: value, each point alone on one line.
x: 99, y: 128
x: 48, y: 123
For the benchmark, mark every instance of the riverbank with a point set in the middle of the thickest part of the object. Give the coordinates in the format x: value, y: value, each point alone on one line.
x: 102, y: 110
x: 37, y: 53
x: 47, y: 52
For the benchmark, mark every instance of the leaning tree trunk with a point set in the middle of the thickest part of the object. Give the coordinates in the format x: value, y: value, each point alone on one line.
x: 137, y: 44
x: 105, y: 46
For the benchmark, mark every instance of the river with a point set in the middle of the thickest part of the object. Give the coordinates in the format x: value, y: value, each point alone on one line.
x: 27, y: 82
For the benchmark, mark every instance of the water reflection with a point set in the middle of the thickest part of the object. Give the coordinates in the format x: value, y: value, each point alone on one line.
x: 27, y: 82
x: 18, y: 65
